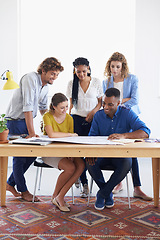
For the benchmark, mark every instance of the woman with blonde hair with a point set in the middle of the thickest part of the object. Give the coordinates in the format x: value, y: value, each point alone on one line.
x: 118, y: 76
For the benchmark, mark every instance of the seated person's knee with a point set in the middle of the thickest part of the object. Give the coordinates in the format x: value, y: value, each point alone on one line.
x: 71, y: 168
x: 127, y: 163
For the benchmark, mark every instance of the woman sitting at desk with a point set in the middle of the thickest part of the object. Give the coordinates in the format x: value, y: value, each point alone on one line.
x: 57, y: 123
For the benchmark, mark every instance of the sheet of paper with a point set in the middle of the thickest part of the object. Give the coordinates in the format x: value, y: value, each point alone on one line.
x: 126, y: 140
x: 100, y: 140
x: 85, y: 140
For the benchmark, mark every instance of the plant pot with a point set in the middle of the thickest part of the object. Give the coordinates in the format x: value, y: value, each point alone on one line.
x: 4, y: 135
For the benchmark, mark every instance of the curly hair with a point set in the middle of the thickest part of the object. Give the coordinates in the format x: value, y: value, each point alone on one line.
x: 77, y: 62
x: 120, y: 58
x: 50, y: 64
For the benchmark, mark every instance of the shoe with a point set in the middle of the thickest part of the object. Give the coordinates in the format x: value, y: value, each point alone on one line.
x: 99, y: 204
x: 62, y: 208
x: 117, y: 189
x: 109, y: 203
x: 85, y: 191
x: 144, y: 197
x: 77, y: 183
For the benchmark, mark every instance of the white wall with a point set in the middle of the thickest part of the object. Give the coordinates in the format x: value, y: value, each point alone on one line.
x: 9, y: 45
x: 71, y: 29
x: 147, y: 61
x: 93, y: 29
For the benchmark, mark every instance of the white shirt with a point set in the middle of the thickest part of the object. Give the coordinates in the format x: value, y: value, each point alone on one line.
x: 29, y: 97
x: 88, y: 100
x: 119, y: 86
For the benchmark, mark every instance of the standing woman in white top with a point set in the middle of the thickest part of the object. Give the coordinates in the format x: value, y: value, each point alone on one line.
x: 85, y: 94
x: 118, y: 76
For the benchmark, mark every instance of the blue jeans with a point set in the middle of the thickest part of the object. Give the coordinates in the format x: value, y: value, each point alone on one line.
x: 81, y: 127
x: 121, y: 167
x: 20, y: 164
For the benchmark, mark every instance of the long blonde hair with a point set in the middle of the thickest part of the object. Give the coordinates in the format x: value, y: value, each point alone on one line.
x: 120, y: 58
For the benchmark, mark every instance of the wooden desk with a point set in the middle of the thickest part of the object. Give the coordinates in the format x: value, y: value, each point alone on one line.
x: 140, y: 149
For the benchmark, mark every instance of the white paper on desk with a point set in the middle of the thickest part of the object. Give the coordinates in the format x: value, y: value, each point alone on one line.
x: 31, y: 141
x: 84, y: 140
x: 124, y: 140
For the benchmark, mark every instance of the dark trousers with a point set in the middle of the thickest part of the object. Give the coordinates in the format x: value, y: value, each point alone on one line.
x: 120, y: 166
x: 81, y: 127
x: 135, y: 173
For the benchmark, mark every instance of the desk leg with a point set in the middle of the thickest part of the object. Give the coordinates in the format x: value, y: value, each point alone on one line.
x: 156, y: 179
x: 3, y: 179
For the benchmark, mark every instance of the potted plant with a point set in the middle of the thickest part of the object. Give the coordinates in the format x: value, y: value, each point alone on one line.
x: 3, y: 129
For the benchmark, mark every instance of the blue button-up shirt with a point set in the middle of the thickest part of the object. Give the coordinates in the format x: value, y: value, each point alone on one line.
x: 124, y: 120
x: 29, y: 97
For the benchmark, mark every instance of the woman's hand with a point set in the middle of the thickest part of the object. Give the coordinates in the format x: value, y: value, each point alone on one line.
x: 90, y: 116
x: 125, y: 100
x: 73, y: 134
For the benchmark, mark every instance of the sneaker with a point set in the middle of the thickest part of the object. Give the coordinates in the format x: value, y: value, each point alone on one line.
x: 99, y: 204
x: 109, y: 203
x: 85, y: 191
x: 77, y: 183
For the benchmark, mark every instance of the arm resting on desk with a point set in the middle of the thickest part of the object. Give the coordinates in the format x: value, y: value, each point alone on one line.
x: 139, y: 134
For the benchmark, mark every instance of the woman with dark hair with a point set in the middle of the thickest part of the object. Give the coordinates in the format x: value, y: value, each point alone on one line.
x: 58, y: 123
x: 85, y: 94
x: 118, y: 76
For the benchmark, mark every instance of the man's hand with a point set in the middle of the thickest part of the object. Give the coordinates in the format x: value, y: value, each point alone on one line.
x: 32, y: 135
x: 91, y: 160
x: 138, y: 134
x: 30, y: 125
x: 116, y: 136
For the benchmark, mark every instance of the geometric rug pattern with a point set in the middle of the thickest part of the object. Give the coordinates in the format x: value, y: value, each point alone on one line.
x: 43, y: 221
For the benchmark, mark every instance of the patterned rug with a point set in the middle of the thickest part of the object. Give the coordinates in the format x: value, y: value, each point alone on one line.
x: 42, y: 220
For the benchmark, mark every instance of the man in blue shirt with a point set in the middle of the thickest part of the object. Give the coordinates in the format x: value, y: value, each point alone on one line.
x: 116, y: 122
